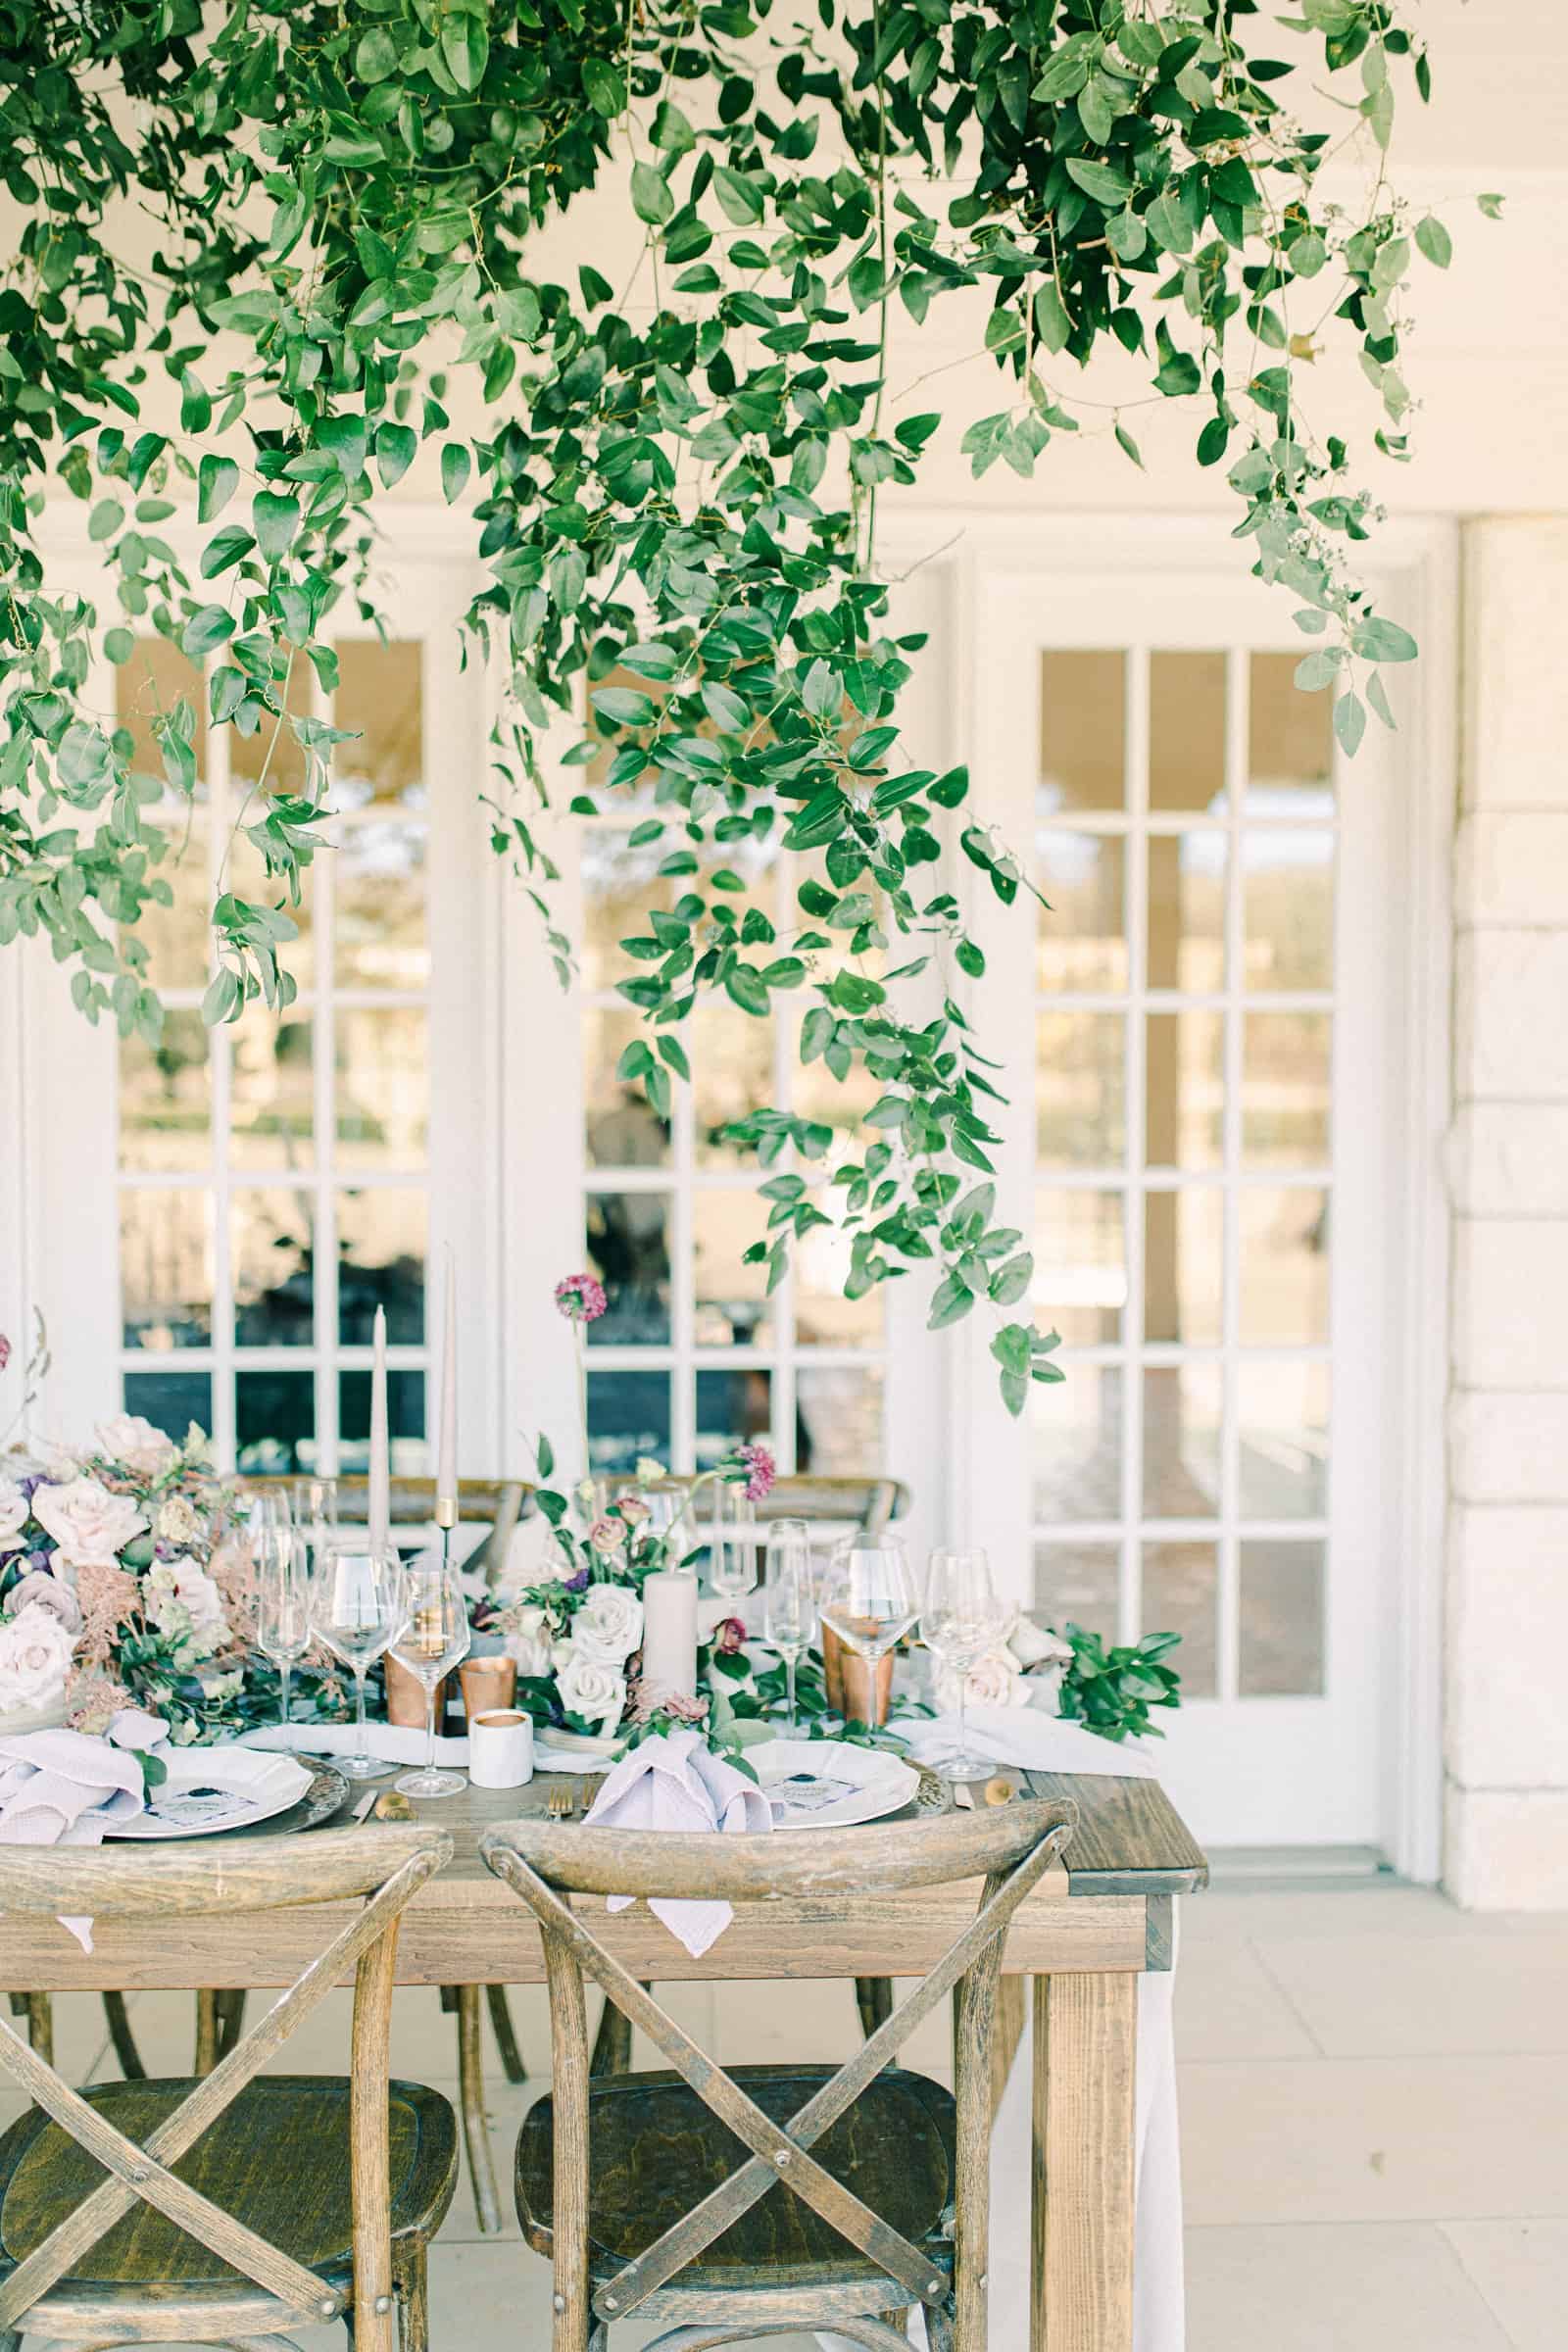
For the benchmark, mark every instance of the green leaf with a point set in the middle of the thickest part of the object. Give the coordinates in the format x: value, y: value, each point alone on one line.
x: 607, y: 92
x: 1179, y: 372
x: 1350, y: 723
x: 1107, y: 185
x: 395, y: 449
x: 1051, y: 322
x: 455, y: 467
x: 209, y: 627
x: 1377, y: 640
x: 376, y: 54
x: 275, y: 519
x: 106, y: 519
x: 624, y: 706
x: 1434, y: 240
x: 217, y: 479
x: 950, y: 1301
x: 651, y: 196
x: 464, y: 49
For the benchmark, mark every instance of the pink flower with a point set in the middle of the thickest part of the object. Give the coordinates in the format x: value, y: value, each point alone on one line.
x: 729, y: 1636
x: 5, y: 1351
x: 631, y: 1508
x: 760, y: 1471
x: 580, y: 1299
x: 607, y: 1535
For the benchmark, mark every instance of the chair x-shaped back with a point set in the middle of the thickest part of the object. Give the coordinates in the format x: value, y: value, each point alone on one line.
x: 386, y: 1866
x: 1013, y: 1848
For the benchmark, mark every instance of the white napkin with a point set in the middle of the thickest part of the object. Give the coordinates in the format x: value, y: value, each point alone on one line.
x: 675, y: 1782
x: 65, y: 1788
x: 1041, y: 1743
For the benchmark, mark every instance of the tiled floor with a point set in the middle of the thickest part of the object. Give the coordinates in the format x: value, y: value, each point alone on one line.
x: 1374, y: 2088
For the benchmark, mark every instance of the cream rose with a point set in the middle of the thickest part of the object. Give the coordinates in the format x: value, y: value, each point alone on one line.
x: 14, y: 1510
x: 188, y: 1607
x: 596, y: 1692
x: 609, y: 1626
x: 993, y: 1681
x: 527, y: 1639
x: 1045, y: 1657
x: 179, y: 1521
x: 91, y: 1525
x: 35, y: 1653
x: 136, y: 1443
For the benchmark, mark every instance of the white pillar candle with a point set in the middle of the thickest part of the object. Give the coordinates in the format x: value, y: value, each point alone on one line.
x: 446, y: 1472
x: 669, y: 1635
x: 378, y: 1501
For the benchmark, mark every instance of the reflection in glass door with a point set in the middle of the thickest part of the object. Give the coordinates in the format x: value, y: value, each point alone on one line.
x: 1203, y: 1203
x: 273, y: 1176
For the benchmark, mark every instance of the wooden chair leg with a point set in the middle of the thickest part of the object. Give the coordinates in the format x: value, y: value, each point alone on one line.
x: 470, y: 2097
x: 41, y: 2025
x: 613, y: 2043
x: 505, y: 2032
x: 230, y: 2018
x: 206, y: 2054
x: 412, y: 2290
x: 873, y: 1997
x: 118, y: 2019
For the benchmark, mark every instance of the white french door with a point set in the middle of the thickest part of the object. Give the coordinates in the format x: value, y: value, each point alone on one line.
x: 1209, y: 1015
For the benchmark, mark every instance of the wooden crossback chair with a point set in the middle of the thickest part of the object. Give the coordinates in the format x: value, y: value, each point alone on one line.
x: 767, y: 2199
x: 236, y: 2205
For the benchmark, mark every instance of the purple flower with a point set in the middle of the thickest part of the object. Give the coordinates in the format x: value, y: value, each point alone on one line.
x: 580, y: 1299
x: 760, y: 1471
x: 576, y: 1583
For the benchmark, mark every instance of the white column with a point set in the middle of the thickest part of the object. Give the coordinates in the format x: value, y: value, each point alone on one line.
x: 1506, y: 1744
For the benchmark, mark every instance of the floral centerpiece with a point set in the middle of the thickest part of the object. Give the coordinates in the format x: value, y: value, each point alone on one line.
x: 124, y: 1580
x: 575, y: 1629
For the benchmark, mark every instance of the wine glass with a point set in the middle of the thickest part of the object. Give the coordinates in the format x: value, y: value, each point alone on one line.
x: 316, y: 1508
x: 789, y: 1597
x: 282, y: 1605
x: 263, y: 1510
x: 963, y: 1619
x: 869, y: 1599
x: 432, y: 1636
x: 732, y: 1541
x: 355, y: 1603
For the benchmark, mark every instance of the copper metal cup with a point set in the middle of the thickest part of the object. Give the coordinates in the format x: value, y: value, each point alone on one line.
x: 488, y: 1682
x: 856, y: 1690
x: 404, y: 1695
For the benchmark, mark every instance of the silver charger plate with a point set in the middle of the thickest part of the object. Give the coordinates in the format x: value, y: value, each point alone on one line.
x: 327, y: 1793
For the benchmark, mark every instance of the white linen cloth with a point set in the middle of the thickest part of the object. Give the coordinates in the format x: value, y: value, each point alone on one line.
x: 65, y: 1788
x: 1040, y: 1742
x: 673, y: 1781
x: 396, y: 1743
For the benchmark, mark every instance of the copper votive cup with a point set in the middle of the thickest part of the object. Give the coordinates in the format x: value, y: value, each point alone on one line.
x: 404, y: 1695
x: 859, y: 1690
x: 487, y: 1683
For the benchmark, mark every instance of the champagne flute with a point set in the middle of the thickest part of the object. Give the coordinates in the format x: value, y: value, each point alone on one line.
x: 316, y: 1509
x: 355, y: 1601
x: 432, y: 1636
x: 789, y: 1597
x: 282, y: 1605
x: 732, y: 1541
x: 963, y: 1618
x: 869, y: 1599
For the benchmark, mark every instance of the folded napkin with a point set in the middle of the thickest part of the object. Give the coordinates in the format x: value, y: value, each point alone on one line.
x: 675, y: 1782
x: 64, y: 1787
x: 1030, y: 1739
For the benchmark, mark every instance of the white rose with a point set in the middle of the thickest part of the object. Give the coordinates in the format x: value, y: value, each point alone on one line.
x: 14, y: 1511
x: 993, y: 1681
x: 35, y: 1653
x: 177, y: 1520
x: 528, y: 1641
x: 609, y: 1626
x: 136, y: 1443
x: 187, y: 1608
x: 596, y: 1692
x: 91, y: 1525
x: 1032, y: 1646
x: 40, y: 1590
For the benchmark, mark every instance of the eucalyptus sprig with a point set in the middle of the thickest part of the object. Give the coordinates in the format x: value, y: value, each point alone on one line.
x: 676, y: 491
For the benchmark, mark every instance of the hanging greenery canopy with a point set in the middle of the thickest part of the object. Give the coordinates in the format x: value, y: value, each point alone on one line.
x: 674, y: 496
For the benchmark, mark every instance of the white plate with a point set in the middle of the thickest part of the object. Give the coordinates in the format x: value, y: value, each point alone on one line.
x: 254, y: 1787
x: 851, y: 1784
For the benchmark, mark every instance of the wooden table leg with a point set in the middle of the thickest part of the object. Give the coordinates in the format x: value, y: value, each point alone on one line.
x: 1084, y: 2030
x: 470, y: 2098
x: 1007, y: 2032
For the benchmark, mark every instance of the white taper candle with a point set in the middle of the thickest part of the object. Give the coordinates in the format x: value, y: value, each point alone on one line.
x: 446, y: 1472
x: 378, y: 1501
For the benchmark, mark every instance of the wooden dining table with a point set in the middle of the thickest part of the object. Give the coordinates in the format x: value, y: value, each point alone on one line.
x: 1082, y: 1940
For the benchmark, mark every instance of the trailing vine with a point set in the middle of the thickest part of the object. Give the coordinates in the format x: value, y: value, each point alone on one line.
x: 675, y: 495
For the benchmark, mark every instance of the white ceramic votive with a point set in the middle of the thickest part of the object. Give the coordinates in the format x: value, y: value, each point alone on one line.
x: 501, y: 1748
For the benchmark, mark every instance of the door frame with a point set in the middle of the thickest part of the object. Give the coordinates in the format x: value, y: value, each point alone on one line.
x: 1412, y: 570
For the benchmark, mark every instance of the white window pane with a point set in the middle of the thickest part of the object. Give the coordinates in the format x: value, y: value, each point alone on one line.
x: 1288, y: 909
x: 629, y: 1416
x: 1080, y: 1277
x: 1180, y: 1596
x: 1286, y: 1075
x: 838, y: 1421
x: 1184, y: 1264
x: 621, y: 1127
x: 1282, y: 1412
x: 1183, y: 1090
x: 1284, y: 1266
x: 1075, y: 1431
x: 273, y: 1099
x: 1077, y: 1584
x: 1289, y: 766
x: 732, y: 1306
x: 1182, y: 1414
x: 1080, y: 1077
x: 1082, y: 731
x: 165, y: 1269
x: 1082, y: 935
x: 382, y: 1239
x: 404, y: 1417
x: 1186, y: 731
x: 1187, y: 910
x: 1282, y: 1591
x: 274, y: 1423
x: 628, y: 1250
x: 170, y: 1400
x: 165, y: 1098
x: 383, y: 1088
x: 273, y: 1256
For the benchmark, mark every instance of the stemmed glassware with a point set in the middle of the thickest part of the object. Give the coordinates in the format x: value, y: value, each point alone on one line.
x: 356, y: 1604
x: 869, y: 1599
x: 732, y: 1541
x: 790, y: 1612
x: 963, y: 1619
x: 282, y: 1604
x: 432, y: 1635
x: 316, y: 1509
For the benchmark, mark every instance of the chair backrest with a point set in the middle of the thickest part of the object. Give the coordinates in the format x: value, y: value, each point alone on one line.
x: 869, y: 1503
x: 383, y: 1867
x: 1010, y: 1847
x: 499, y: 1503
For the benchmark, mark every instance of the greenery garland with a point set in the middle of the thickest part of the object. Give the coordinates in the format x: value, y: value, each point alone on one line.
x: 676, y: 502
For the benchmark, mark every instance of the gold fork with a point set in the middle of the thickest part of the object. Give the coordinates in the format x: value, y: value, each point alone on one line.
x: 559, y: 1800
